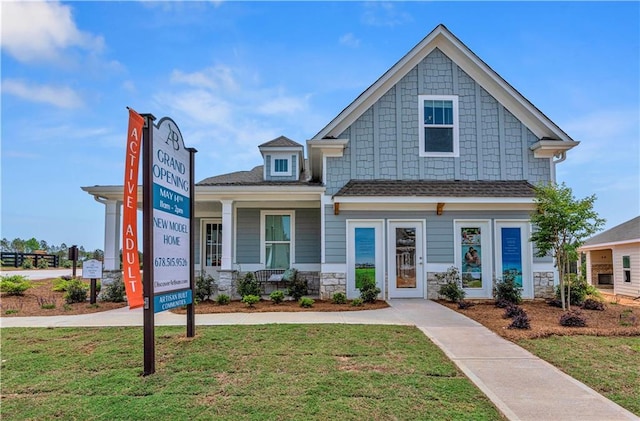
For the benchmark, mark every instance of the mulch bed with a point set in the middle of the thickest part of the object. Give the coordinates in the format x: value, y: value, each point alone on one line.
x: 208, y: 307
x: 544, y: 320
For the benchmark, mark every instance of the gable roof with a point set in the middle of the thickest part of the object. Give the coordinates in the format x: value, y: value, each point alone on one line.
x: 624, y: 233
x: 280, y: 142
x: 442, y: 39
x: 251, y: 178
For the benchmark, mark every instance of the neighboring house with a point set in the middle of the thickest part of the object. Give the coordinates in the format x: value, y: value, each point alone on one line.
x: 432, y: 166
x: 613, y: 258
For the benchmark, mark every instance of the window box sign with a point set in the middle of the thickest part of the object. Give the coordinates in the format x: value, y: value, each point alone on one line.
x: 172, y: 300
x: 171, y: 169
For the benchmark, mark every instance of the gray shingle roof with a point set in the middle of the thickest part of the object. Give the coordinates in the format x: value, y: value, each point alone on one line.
x: 251, y: 178
x: 437, y: 188
x: 281, y: 141
x: 626, y: 231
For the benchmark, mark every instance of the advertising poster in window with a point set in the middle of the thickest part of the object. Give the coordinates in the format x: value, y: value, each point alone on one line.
x: 471, y: 249
x: 365, y: 255
x: 512, y: 255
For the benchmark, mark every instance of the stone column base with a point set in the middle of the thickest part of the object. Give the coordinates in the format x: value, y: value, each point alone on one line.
x: 226, y: 283
x: 330, y: 283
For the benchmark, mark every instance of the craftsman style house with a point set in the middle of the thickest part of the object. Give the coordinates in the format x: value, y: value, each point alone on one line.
x: 432, y: 166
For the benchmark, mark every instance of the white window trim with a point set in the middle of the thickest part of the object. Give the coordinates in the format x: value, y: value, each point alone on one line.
x: 203, y: 236
x: 456, y: 126
x: 292, y: 240
x: 286, y: 157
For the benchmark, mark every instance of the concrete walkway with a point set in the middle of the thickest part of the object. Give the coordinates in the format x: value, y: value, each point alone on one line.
x: 522, y: 386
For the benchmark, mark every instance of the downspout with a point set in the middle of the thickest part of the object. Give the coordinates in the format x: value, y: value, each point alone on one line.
x: 560, y: 158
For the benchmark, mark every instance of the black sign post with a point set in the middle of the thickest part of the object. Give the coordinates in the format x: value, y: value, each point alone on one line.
x: 147, y: 240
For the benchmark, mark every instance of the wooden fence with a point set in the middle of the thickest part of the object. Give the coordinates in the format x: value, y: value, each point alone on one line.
x: 16, y: 259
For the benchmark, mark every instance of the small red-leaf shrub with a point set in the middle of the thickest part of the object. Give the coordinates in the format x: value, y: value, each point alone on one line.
x: 591, y: 304
x: 573, y: 318
x: 520, y: 320
x: 462, y: 304
x: 512, y: 311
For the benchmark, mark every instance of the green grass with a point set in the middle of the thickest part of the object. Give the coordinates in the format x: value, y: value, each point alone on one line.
x: 272, y: 372
x: 609, y: 365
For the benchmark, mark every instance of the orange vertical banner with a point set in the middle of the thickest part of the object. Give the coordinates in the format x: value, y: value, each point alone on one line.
x: 130, y: 257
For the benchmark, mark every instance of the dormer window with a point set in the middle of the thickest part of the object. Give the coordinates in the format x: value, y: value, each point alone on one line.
x: 280, y: 165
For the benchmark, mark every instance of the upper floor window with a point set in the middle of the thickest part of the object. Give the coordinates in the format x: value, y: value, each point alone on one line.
x: 280, y: 165
x: 438, y: 134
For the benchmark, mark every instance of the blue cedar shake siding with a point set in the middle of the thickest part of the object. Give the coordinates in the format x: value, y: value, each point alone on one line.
x: 307, y: 235
x: 440, y: 235
x: 383, y: 142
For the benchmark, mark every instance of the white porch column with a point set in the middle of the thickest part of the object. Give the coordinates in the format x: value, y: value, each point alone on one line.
x: 227, y: 233
x: 112, y: 235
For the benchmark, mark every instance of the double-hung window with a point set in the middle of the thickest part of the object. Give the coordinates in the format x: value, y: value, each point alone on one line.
x: 277, y: 239
x: 438, y: 136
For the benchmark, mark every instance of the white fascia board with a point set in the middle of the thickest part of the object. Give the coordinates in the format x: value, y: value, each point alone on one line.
x: 551, y: 148
x: 291, y: 204
x: 609, y: 245
x: 282, y: 149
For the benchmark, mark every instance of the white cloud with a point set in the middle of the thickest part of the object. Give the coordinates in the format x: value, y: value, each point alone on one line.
x: 214, y: 78
x: 384, y: 14
x: 350, y: 40
x: 59, y: 96
x: 40, y: 31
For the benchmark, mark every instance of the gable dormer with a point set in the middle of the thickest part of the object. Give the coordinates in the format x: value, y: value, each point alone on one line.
x: 283, y: 159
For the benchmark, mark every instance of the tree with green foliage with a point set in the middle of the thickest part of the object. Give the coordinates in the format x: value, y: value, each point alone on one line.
x: 562, y: 224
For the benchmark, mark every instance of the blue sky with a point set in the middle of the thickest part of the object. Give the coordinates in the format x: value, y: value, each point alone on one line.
x: 236, y: 74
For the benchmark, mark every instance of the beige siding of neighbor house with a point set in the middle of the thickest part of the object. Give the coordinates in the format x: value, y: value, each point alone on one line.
x: 631, y: 289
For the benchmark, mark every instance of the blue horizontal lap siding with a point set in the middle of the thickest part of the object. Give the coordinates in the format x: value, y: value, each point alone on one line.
x: 294, y: 169
x: 307, y: 236
x: 248, y: 236
x: 383, y: 142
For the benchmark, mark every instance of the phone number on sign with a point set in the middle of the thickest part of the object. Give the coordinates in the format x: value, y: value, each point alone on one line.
x: 169, y: 261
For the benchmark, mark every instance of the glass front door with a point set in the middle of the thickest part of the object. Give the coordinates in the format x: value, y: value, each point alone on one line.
x: 364, y: 255
x: 212, y: 247
x: 406, y: 274
x: 514, y: 254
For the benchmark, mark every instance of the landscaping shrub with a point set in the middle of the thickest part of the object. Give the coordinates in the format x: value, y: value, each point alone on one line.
x: 357, y: 302
x: 114, y: 292
x: 277, y: 297
x: 14, y: 284
x: 451, y: 285
x: 628, y: 318
x: 67, y: 264
x: 502, y: 303
x: 577, y: 287
x: 27, y: 264
x: 297, y: 286
x: 339, y: 298
x: 205, y: 286
x: 507, y: 290
x: 47, y: 303
x: 369, y: 291
x: 520, y: 321
x: 573, y: 318
x: 43, y: 264
x: 223, y: 299
x: 512, y: 311
x: 306, y: 302
x: 554, y: 303
x: 248, y: 285
x: 76, y: 292
x: 591, y: 304
x: 250, y: 300
x: 462, y: 304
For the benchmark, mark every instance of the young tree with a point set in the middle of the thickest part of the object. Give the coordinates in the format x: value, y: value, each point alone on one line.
x: 562, y: 224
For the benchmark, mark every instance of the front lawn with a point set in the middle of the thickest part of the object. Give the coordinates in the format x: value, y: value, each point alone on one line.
x: 272, y: 372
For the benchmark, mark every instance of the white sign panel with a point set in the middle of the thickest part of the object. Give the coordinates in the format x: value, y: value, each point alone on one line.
x: 171, y: 207
x: 92, y: 269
